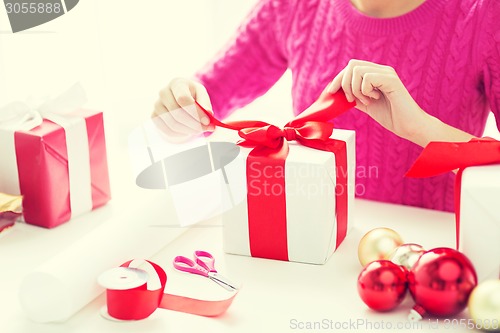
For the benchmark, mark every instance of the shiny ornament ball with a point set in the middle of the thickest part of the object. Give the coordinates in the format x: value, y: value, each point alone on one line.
x: 406, y: 255
x: 441, y: 281
x: 382, y: 285
x: 484, y: 305
x: 378, y: 244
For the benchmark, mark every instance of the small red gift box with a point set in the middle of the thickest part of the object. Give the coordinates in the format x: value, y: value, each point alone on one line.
x: 60, y: 167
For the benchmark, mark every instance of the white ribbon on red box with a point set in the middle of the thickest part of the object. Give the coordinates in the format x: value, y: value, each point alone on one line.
x: 19, y: 116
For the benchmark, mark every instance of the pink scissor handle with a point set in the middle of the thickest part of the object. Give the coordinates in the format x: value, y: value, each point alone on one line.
x: 205, y: 260
x: 187, y: 265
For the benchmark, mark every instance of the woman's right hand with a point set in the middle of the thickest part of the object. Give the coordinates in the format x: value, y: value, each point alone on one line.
x: 177, y: 115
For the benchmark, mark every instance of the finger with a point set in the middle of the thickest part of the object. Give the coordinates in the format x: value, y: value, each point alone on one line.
x: 171, y: 121
x: 168, y: 100
x: 363, y: 63
x: 187, y: 113
x: 159, y: 108
x: 201, y: 96
x: 376, y: 83
x: 182, y: 92
x: 357, y: 80
x: 167, y: 132
x: 180, y: 121
x: 168, y: 103
x: 347, y: 81
x: 336, y: 83
x: 360, y: 89
x: 163, y: 122
x: 368, y: 89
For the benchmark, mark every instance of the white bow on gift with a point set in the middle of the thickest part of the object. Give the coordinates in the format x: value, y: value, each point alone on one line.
x: 19, y: 116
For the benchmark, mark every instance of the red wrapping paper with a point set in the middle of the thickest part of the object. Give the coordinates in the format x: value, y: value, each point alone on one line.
x: 42, y: 162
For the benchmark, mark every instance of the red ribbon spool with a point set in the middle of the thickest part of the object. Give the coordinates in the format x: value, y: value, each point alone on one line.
x: 129, y: 299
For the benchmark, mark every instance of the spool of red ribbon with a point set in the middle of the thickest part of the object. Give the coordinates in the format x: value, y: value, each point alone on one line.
x: 136, y: 289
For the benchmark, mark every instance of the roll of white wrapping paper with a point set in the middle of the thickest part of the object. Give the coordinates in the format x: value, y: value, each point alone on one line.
x: 65, y: 284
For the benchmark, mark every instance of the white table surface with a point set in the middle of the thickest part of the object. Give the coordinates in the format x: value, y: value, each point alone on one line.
x: 276, y: 296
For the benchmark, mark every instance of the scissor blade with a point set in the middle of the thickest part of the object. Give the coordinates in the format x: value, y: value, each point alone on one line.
x: 223, y: 281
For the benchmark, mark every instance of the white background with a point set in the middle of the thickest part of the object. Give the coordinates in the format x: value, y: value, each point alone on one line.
x: 122, y: 51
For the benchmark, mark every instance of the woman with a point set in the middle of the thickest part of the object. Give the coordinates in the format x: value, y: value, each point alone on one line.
x: 429, y: 71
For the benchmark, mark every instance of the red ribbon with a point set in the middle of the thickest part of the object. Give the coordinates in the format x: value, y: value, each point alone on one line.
x: 139, y: 303
x: 441, y: 157
x: 267, y: 214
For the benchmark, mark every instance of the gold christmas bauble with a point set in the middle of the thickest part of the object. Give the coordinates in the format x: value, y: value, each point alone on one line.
x: 377, y: 244
x: 406, y: 255
x: 484, y: 305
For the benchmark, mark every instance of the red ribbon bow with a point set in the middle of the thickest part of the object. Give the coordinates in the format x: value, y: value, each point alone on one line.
x: 267, y: 214
x: 273, y: 137
x: 441, y: 157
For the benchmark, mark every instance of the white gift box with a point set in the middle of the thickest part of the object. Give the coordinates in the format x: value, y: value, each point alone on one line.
x: 480, y: 219
x: 310, y: 178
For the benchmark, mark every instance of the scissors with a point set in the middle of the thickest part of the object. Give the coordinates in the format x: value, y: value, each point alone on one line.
x: 203, y: 265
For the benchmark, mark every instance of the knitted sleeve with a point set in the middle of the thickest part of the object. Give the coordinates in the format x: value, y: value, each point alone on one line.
x: 490, y: 50
x: 252, y: 61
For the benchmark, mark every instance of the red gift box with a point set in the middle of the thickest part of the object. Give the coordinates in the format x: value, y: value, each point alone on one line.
x: 62, y: 169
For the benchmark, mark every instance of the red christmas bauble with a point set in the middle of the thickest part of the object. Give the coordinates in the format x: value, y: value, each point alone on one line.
x: 382, y: 285
x: 441, y: 281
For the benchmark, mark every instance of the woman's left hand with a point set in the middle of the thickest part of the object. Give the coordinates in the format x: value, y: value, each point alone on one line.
x: 379, y: 92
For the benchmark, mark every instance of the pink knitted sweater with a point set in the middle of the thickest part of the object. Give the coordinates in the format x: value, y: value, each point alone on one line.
x: 446, y: 52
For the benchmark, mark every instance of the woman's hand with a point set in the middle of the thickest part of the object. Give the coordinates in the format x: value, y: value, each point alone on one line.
x: 379, y: 92
x: 176, y: 114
